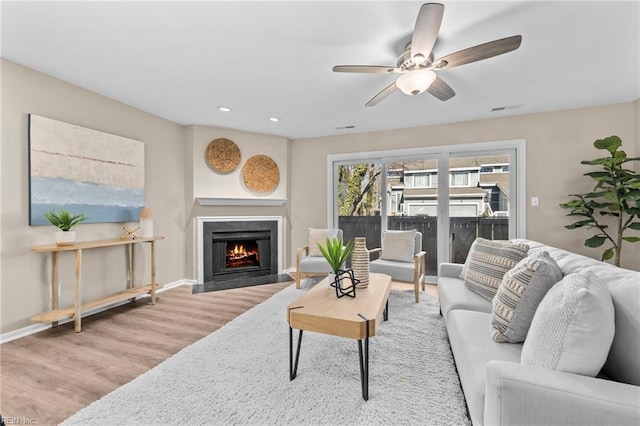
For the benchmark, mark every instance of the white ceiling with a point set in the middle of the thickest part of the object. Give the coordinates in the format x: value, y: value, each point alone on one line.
x: 181, y: 60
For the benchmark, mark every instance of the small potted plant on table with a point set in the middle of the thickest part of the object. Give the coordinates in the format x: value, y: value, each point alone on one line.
x: 64, y: 221
x: 336, y: 255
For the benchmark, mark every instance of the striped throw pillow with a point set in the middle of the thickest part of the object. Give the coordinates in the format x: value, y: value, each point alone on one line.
x: 519, y: 295
x: 487, y: 263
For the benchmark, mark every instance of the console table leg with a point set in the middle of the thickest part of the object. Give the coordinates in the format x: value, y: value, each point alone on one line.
x: 77, y: 317
x: 54, y: 284
x: 153, y: 273
x: 132, y: 267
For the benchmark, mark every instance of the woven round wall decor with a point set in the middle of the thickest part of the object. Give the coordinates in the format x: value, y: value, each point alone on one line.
x: 223, y: 155
x: 260, y: 173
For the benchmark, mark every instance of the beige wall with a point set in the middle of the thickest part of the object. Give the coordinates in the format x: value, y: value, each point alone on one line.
x: 176, y: 172
x: 555, y: 144
x: 25, y: 275
x: 202, y: 181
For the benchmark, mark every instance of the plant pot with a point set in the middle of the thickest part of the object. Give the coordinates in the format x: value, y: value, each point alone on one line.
x: 65, y: 238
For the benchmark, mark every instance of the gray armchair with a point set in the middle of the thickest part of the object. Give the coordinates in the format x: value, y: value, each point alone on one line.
x: 402, y: 258
x: 309, y: 260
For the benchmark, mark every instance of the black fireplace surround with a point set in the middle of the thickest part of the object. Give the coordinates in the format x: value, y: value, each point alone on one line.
x: 236, y: 249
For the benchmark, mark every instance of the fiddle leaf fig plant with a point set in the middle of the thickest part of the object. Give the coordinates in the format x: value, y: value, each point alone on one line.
x: 335, y: 253
x: 612, y: 208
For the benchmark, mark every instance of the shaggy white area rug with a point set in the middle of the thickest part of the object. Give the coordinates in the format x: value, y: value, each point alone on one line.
x: 240, y: 375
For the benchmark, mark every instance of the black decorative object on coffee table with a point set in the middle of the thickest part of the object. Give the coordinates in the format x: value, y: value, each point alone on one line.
x: 339, y: 279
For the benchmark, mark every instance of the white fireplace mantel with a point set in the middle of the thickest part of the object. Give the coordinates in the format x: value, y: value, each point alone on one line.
x: 201, y: 220
x: 219, y: 201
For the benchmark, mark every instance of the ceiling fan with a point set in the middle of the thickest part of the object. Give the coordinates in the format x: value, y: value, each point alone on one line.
x: 417, y: 65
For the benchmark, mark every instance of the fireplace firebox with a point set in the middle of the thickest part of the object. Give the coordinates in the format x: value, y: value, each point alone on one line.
x: 237, y: 249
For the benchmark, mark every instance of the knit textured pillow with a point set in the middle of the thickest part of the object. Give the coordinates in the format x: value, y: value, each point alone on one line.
x: 573, y: 327
x: 319, y: 236
x: 398, y: 246
x: 488, y: 262
x: 519, y: 295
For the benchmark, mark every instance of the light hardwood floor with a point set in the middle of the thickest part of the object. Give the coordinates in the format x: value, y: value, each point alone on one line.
x: 48, y: 376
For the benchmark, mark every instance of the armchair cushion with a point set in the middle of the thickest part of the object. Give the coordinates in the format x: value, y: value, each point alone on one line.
x: 319, y: 236
x: 398, y: 246
x: 400, y: 271
x: 314, y: 265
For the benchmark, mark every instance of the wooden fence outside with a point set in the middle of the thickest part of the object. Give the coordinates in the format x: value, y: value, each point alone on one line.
x: 463, y: 231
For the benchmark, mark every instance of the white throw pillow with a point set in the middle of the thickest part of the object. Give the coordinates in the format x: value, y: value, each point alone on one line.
x: 319, y: 236
x: 398, y: 246
x: 573, y: 327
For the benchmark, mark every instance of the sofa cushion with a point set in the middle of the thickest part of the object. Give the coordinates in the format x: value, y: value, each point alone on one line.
x: 519, y: 295
x: 573, y: 327
x: 454, y: 295
x: 398, y: 246
x: 319, y: 236
x: 487, y: 263
x: 473, y: 349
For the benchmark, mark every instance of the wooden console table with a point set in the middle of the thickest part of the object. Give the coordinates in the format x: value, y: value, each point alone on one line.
x: 56, y: 314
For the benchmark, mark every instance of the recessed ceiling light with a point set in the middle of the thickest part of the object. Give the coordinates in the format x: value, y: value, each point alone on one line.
x: 274, y: 119
x: 224, y: 109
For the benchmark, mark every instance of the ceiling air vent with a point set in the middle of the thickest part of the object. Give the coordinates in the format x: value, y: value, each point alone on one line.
x: 346, y: 127
x: 503, y: 108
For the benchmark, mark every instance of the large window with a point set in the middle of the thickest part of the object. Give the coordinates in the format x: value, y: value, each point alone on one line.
x: 371, y: 192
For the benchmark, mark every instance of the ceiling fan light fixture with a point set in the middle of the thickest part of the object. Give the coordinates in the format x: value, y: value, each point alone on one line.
x: 416, y: 81
x: 419, y: 59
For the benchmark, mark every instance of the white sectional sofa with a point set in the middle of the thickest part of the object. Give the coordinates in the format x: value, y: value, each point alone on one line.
x: 499, y: 390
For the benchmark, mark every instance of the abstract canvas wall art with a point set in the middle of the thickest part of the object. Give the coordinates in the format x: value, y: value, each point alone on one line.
x: 83, y: 171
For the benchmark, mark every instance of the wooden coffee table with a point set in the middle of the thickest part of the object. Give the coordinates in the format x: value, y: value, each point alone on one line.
x: 319, y: 310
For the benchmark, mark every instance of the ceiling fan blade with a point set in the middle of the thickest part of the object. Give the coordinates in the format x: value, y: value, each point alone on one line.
x: 441, y: 90
x: 365, y: 69
x: 425, y: 32
x: 479, y: 52
x: 382, y: 95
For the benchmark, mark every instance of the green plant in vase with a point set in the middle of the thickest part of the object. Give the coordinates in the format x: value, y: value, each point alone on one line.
x: 64, y: 221
x: 335, y: 253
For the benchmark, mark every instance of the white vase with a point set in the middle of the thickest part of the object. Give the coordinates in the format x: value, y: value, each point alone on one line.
x: 65, y: 238
x: 360, y: 262
x: 146, y: 223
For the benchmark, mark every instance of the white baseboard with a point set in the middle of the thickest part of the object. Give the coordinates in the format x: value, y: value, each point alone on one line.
x: 35, y: 328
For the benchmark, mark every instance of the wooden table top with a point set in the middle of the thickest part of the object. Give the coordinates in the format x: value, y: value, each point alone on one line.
x: 321, y: 311
x: 80, y: 245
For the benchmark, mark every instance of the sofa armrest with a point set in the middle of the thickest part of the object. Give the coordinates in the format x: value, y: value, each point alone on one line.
x: 521, y: 395
x: 451, y: 270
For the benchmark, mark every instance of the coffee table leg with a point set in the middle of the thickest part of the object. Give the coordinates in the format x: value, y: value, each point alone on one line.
x: 364, y: 363
x: 293, y: 368
x: 385, y: 313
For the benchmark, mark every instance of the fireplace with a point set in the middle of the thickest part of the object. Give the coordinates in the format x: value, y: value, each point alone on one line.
x: 233, y: 248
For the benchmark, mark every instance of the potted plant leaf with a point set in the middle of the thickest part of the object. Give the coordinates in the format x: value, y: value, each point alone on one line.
x: 64, y: 221
x: 336, y: 255
x: 612, y: 208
